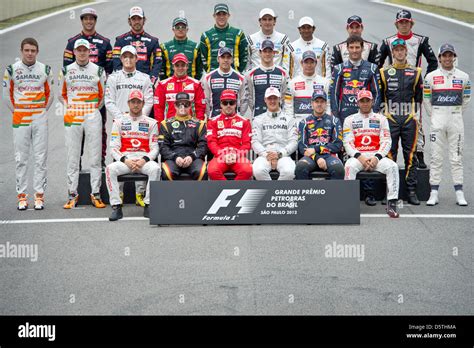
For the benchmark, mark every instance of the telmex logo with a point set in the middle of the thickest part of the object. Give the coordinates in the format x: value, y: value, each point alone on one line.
x: 247, y: 203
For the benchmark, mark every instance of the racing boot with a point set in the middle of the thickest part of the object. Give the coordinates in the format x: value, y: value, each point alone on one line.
x: 97, y: 201
x: 39, y: 201
x: 146, y: 211
x: 139, y: 199
x: 370, y: 199
x: 460, y: 200
x: 412, y: 198
x: 116, y: 213
x: 421, y: 160
x: 433, y: 200
x: 71, y: 201
x: 22, y: 201
x: 392, y: 208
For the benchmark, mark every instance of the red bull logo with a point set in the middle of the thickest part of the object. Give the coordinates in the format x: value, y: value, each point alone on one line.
x: 354, y: 84
x: 321, y: 132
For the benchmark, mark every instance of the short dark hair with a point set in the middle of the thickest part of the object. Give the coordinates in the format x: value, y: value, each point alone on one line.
x: 353, y: 39
x: 29, y: 41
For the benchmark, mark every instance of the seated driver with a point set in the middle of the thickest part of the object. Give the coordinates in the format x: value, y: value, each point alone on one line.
x: 134, y: 146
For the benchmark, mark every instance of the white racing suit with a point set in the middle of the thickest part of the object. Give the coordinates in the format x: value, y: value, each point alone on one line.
x: 118, y: 88
x: 369, y: 135
x: 132, y: 138
x: 322, y: 51
x: 299, y: 94
x: 27, y: 93
x: 446, y: 95
x: 82, y: 93
x: 274, y: 132
x: 283, y: 50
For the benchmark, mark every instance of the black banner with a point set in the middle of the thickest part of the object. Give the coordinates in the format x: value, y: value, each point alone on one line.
x: 255, y: 202
x: 192, y: 331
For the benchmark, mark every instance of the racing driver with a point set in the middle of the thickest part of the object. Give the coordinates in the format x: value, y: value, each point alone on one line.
x: 228, y: 137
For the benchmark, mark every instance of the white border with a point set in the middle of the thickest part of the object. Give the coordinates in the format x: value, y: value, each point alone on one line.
x: 382, y: 2
x: 34, y: 20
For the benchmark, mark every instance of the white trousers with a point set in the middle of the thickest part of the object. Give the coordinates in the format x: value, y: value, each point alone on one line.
x: 385, y: 166
x: 92, y: 127
x: 113, y: 170
x: 262, y: 167
x: 24, y: 137
x: 447, y: 134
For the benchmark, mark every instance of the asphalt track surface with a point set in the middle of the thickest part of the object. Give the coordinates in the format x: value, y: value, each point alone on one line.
x: 233, y: 269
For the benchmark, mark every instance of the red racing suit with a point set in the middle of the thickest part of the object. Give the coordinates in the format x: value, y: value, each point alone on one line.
x: 229, y: 134
x: 165, y: 96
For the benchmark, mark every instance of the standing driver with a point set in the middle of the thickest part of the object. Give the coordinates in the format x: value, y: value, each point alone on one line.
x: 447, y: 92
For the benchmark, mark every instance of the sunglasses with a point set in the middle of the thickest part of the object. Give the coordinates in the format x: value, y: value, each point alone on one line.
x: 228, y: 102
x: 185, y: 104
x: 180, y: 27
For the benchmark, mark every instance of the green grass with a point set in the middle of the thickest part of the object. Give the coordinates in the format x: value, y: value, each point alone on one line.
x: 26, y: 17
x: 463, y: 16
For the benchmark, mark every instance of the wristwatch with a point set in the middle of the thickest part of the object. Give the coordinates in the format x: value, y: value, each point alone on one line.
x: 280, y: 155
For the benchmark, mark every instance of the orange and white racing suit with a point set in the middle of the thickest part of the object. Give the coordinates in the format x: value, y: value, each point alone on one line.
x: 82, y: 93
x: 27, y: 93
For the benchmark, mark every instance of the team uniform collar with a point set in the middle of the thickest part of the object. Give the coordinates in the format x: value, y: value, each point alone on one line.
x: 405, y: 37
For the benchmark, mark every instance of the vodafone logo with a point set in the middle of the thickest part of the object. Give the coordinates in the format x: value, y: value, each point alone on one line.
x: 366, y: 140
x: 135, y: 142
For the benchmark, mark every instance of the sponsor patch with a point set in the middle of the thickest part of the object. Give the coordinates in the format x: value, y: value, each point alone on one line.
x: 457, y: 84
x: 299, y: 86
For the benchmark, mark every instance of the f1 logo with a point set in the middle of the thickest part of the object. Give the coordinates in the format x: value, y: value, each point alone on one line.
x: 247, y: 203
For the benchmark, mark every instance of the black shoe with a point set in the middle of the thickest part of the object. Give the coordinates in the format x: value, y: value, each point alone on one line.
x: 116, y: 213
x: 421, y: 160
x: 392, y: 208
x: 412, y: 198
x: 370, y: 200
x: 146, y: 211
x: 384, y: 201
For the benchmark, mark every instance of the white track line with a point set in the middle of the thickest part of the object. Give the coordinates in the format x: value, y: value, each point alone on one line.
x: 425, y: 13
x: 75, y: 220
x: 34, y: 20
x: 422, y: 216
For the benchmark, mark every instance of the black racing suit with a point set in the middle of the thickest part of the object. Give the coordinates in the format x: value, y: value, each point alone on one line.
x: 182, y: 137
x: 402, y: 91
